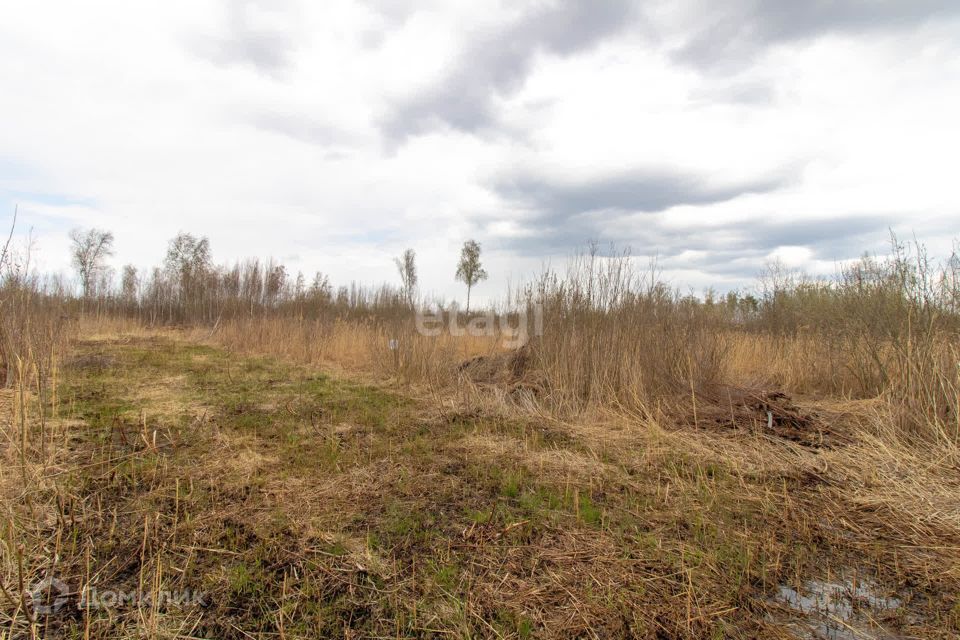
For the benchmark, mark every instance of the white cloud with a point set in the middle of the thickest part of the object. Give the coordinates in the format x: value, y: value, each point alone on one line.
x: 262, y: 126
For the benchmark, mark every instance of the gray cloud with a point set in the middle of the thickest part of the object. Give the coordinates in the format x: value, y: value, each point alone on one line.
x: 393, y: 12
x: 734, y: 249
x: 267, y: 49
x: 497, y: 63
x: 559, y: 216
x: 744, y: 94
x: 648, y: 191
x: 827, y: 238
x: 720, y: 34
x: 731, y: 33
x: 301, y: 128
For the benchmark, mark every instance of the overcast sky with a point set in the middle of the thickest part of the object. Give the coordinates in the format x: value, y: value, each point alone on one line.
x: 332, y: 135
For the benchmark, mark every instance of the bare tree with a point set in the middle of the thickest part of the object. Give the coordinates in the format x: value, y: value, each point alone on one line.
x: 320, y: 288
x: 299, y: 287
x: 129, y: 283
x: 276, y: 282
x: 188, y: 258
x: 469, y: 269
x: 6, y: 246
x: 407, y: 267
x: 90, y: 250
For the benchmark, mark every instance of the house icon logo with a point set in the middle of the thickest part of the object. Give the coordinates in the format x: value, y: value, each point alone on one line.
x: 48, y: 596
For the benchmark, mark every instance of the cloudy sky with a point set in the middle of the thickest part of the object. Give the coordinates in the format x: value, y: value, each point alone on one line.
x: 716, y: 135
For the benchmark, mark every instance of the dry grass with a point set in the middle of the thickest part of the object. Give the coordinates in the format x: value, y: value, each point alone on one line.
x: 307, y: 506
x: 357, y: 347
x: 650, y: 466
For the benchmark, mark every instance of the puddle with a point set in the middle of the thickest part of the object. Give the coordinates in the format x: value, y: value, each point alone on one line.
x: 841, y: 610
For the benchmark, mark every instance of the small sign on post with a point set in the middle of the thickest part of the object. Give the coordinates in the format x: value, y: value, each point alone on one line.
x: 392, y: 344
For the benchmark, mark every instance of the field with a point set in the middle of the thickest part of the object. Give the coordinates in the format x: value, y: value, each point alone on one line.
x: 302, y: 503
x: 644, y: 464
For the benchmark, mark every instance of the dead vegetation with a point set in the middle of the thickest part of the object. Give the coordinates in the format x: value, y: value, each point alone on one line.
x: 651, y: 467
x: 301, y: 505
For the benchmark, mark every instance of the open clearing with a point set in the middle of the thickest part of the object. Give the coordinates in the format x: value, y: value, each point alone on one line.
x: 301, y: 505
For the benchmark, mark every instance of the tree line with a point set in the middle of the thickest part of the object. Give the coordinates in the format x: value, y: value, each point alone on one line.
x: 873, y: 296
x: 188, y: 286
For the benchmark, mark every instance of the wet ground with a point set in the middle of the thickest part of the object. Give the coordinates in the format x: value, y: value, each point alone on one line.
x: 847, y: 608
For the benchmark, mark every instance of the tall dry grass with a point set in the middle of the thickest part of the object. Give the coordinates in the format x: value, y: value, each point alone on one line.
x: 390, y: 347
x: 615, y: 337
x: 35, y: 326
